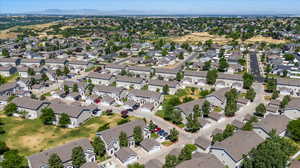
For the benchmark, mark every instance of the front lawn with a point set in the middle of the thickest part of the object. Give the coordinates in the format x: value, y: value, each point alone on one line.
x: 31, y: 136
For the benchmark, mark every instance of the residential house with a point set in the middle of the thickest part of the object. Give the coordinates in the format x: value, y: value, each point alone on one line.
x: 115, y: 68
x: 218, y: 98
x: 273, y: 106
x: 64, y: 152
x: 7, y: 70
x: 78, y: 66
x: 31, y: 106
x: 166, y: 73
x: 201, y: 160
x: 278, y: 123
x: 148, y: 107
x: 9, y: 89
x: 232, y: 150
x: 110, y: 137
x: 55, y: 63
x: 115, y: 92
x: 188, y: 108
x: 157, y: 85
x: 10, y: 61
x: 203, y: 144
x: 140, y: 71
x: 196, y: 77
x: 231, y: 80
x: 292, y: 110
x: 126, y: 156
x: 32, y: 62
x: 145, y: 96
x: 150, y: 145
x: 129, y: 82
x: 288, y: 86
x: 100, y: 79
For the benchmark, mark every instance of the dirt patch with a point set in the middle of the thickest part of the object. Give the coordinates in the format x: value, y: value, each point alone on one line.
x: 265, y: 39
x: 201, y: 37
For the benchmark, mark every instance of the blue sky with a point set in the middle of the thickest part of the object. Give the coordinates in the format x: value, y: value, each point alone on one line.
x: 172, y: 6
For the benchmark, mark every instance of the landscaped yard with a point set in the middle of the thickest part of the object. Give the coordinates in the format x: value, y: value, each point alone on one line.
x: 31, y: 136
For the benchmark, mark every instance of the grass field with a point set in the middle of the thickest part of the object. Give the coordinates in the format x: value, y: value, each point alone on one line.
x: 31, y: 136
x: 201, y: 37
x: 265, y: 39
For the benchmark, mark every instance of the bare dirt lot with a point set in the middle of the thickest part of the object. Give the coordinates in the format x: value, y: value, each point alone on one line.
x: 265, y: 39
x: 201, y: 37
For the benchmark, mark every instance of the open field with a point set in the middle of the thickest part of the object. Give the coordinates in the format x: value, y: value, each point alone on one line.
x: 31, y: 136
x: 201, y: 37
x: 265, y: 39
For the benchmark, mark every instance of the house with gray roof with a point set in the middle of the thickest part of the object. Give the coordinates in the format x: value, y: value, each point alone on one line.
x: 31, y: 106
x: 166, y: 73
x: 150, y: 145
x: 7, y: 70
x: 157, y: 85
x: 100, y: 78
x: 110, y: 137
x: 232, y: 150
x: 10, y: 61
x: 56, y: 63
x: 230, y: 80
x: 32, y: 62
x: 218, y: 98
x: 278, y: 123
x: 115, y: 92
x: 77, y: 66
x: 126, y: 156
x: 115, y: 68
x: 201, y: 160
x: 195, y: 76
x: 141, y: 71
x: 145, y: 96
x: 188, y: 108
x: 40, y: 160
x: 129, y: 82
x: 203, y: 144
x: 292, y: 110
x: 77, y: 114
x: 8, y: 89
x: 288, y: 86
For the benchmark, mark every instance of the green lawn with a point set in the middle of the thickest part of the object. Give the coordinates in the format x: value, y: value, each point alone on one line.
x: 31, y: 136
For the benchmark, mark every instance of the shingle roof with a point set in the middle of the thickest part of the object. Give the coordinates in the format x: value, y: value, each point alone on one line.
x: 28, y: 103
x: 202, y: 142
x: 288, y: 82
x: 90, y: 165
x: 125, y: 153
x: 271, y: 121
x: 113, y: 134
x: 145, y: 94
x: 236, y: 77
x: 295, y: 164
x: 139, y: 68
x: 115, y: 66
x: 294, y: 104
x: 220, y: 94
x: 239, y: 144
x: 129, y: 79
x: 187, y: 108
x: 154, y: 163
x: 109, y: 89
x: 71, y: 110
x: 148, y: 144
x: 99, y: 76
x: 8, y: 86
x: 166, y: 71
x: 203, y: 161
x: 171, y: 84
x: 63, y: 151
x: 196, y: 73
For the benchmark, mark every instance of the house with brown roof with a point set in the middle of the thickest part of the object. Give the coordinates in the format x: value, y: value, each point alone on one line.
x: 195, y: 78
x: 126, y: 156
x: 278, y: 123
x: 232, y: 150
x: 292, y: 110
x: 150, y: 145
x: 201, y: 160
x: 203, y: 144
x: 110, y: 137
x: 64, y: 152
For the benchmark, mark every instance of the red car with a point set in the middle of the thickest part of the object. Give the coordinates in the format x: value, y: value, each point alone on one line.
x: 97, y: 101
x: 157, y: 129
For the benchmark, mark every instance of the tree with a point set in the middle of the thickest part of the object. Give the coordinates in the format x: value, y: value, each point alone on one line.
x: 247, y: 80
x: 12, y: 159
x: 272, y: 153
x: 173, y: 135
x: 193, y: 124
x: 123, y: 140
x: 275, y: 94
x: 103, y: 127
x: 250, y: 94
x: 211, y: 77
x: 66, y: 89
x: 3, y: 147
x: 260, y: 110
x: 78, y: 157
x: 206, y: 66
x: 205, y: 108
x: 185, y: 154
x: 231, y: 103
x: 229, y: 130
x: 293, y: 129
x: 30, y: 72
x: 285, y: 101
x: 55, y: 162
x: 75, y: 87
x: 5, y: 52
x: 171, y: 161
x: 99, y: 146
x: 271, y: 85
x: 66, y: 70
x: 179, y: 76
x: 44, y: 77
x: 10, y: 109
x: 135, y: 165
x: 138, y: 135
x: 197, y: 111
x: 289, y: 57
x: 47, y: 116
x: 176, y: 116
x: 223, y: 65
x: 166, y: 89
x: 64, y: 120
x: 58, y: 72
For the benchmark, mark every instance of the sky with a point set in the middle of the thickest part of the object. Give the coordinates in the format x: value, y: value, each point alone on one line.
x: 157, y: 6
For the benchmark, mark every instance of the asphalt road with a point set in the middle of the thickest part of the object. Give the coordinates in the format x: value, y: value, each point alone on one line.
x: 254, y: 67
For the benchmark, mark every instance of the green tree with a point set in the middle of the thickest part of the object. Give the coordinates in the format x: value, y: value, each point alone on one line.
x: 166, y: 89
x: 12, y: 159
x: 250, y: 94
x: 138, y: 135
x: 205, y: 108
x: 64, y: 120
x: 206, y: 66
x: 99, y: 146
x: 231, y: 103
x: 193, y: 124
x: 260, y: 110
x: 30, y: 72
x: 66, y: 89
x: 285, y: 101
x: 123, y: 140
x: 66, y: 70
x: 275, y: 94
x: 44, y: 77
x: 247, y: 80
x: 47, y: 116
x: 75, y: 87
x: 185, y: 154
x: 103, y: 127
x: 176, y: 116
x: 197, y: 111
x: 3, y: 147
x: 171, y: 161
x: 289, y: 57
x: 223, y: 65
x: 135, y: 165
x: 10, y: 109
x: 173, y: 136
x: 211, y: 77
x: 78, y: 157
x: 293, y: 129
x: 271, y: 85
x: 5, y: 52
x: 55, y: 162
x: 179, y: 76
